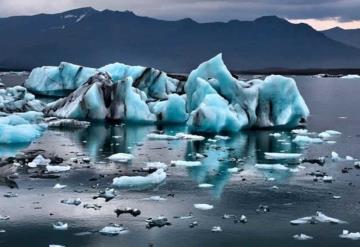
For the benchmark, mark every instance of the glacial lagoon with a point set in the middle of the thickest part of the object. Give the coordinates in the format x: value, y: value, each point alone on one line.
x: 269, y: 199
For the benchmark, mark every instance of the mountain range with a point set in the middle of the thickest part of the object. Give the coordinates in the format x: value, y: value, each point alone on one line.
x: 94, y: 38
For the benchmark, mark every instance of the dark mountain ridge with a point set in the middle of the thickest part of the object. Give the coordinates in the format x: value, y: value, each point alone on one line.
x: 95, y: 38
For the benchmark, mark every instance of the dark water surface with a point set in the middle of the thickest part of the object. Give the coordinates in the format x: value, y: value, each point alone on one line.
x: 334, y: 104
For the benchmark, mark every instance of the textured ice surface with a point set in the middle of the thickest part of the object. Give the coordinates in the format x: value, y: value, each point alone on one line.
x: 18, y: 99
x: 61, y: 80
x: 211, y: 100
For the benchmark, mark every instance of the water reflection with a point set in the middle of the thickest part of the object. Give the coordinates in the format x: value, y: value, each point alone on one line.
x: 242, y: 150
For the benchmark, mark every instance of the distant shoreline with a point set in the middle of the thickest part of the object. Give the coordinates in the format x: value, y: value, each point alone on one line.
x: 269, y: 71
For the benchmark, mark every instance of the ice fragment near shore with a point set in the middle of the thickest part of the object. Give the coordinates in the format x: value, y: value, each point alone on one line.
x: 154, y: 178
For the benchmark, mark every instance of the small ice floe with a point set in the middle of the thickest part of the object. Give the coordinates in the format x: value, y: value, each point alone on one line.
x: 154, y: 136
x: 154, y: 178
x: 159, y: 222
x: 155, y: 198
x: 113, y: 230
x: 357, y: 164
x: 51, y: 168
x: 107, y: 194
x: 56, y: 245
x: 236, y: 219
x: 262, y: 209
x: 132, y: 211
x: 216, y: 229
x: 335, y: 156
x: 275, y: 134
x: 318, y: 217
x: 121, y: 157
x: 193, y: 224
x: 66, y: 123
x: 4, y: 217
x: 299, y: 131
x: 75, y: 202
x: 156, y: 165
x: 59, y: 186
x: 278, y: 167
x: 185, y: 163
x: 92, y: 206
x: 60, y: 226
x: 349, y: 158
x: 39, y: 161
x: 307, y: 140
x: 233, y: 170
x: 205, y: 185
x: 327, y: 179
x: 302, y: 236
x: 199, y: 156
x: 220, y: 137
x: 328, y: 134
x: 186, y: 217
x: 203, y: 206
x: 350, y: 235
x: 336, y: 197
x: 184, y: 136
x: 269, y: 155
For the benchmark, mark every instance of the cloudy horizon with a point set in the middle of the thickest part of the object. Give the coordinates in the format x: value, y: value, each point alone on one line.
x: 322, y: 14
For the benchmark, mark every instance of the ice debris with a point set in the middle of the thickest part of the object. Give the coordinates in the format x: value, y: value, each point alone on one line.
x: 269, y: 155
x: 216, y: 229
x: 185, y: 163
x: 59, y: 186
x: 75, y: 202
x: 113, y: 230
x: 60, y: 168
x: 107, y: 194
x: 302, y: 236
x: 60, y: 226
x: 278, y: 167
x: 159, y: 222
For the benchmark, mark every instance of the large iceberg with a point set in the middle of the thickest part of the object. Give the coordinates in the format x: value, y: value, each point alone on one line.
x: 21, y: 127
x: 67, y: 77
x: 211, y: 99
x: 18, y: 99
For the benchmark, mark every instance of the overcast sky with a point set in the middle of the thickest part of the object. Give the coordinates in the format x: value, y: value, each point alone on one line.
x: 321, y: 14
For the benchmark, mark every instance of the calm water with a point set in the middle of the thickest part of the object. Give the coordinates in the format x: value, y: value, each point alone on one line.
x: 333, y: 104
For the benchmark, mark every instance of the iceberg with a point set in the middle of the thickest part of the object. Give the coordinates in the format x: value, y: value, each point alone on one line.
x: 210, y: 100
x: 152, y: 179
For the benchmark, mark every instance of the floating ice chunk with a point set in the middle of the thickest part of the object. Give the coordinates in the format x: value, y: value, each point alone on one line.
x: 121, y: 157
x: 349, y: 158
x: 75, y: 202
x: 275, y: 134
x: 204, y: 185
x: 323, y: 218
x: 302, y: 236
x: 216, y: 229
x: 56, y: 245
x: 350, y: 235
x: 52, y: 168
x: 66, y: 123
x: 59, y: 186
x: 60, y: 226
x: 185, y: 136
x: 299, y: 131
x: 220, y: 137
x: 350, y: 77
x: 154, y: 178
x: 4, y: 217
x: 159, y: 222
x: 17, y: 99
x: 157, y: 165
x: 269, y: 155
x: 155, y: 198
x: 203, y: 206
x: 306, y: 139
x: 107, y: 194
x: 113, y: 230
x: 328, y: 134
x: 328, y: 179
x: 233, y: 170
x: 335, y: 156
x: 154, y: 136
x: 185, y: 217
x: 278, y: 167
x: 39, y: 161
x: 318, y: 217
x: 185, y: 163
